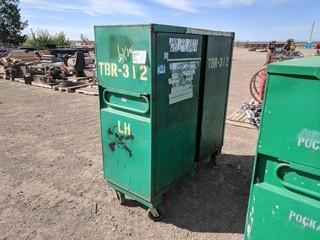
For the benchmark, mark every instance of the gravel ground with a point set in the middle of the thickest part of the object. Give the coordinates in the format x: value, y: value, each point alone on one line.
x: 52, y: 186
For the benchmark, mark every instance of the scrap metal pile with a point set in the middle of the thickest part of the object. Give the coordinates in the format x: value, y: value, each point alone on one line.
x: 250, y: 111
x: 276, y: 53
x: 52, y: 66
x: 3, y: 52
x: 257, y: 84
x: 280, y: 52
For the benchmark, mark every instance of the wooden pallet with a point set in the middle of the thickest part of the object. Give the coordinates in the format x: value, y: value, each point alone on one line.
x: 90, y: 90
x: 76, y: 79
x: 20, y: 80
x: 70, y: 89
x: 43, y: 85
x: 239, y: 118
x: 240, y: 124
x: 4, y: 77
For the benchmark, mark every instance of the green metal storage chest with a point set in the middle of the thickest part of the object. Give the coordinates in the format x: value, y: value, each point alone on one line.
x: 285, y: 192
x: 163, y: 93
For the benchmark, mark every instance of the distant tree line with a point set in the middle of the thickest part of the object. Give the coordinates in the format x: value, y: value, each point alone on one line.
x: 42, y: 38
x: 12, y: 26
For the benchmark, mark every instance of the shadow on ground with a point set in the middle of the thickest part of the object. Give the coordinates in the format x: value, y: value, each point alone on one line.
x: 215, y: 200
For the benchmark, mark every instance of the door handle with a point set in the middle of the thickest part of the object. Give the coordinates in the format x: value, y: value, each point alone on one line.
x: 118, y: 106
x: 293, y: 187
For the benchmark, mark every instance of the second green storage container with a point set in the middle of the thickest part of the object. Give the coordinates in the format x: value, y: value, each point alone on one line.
x: 285, y: 192
x: 163, y: 93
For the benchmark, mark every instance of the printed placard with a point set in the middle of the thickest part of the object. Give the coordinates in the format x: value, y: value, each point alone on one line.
x: 139, y: 57
x: 184, y: 45
x: 181, y: 81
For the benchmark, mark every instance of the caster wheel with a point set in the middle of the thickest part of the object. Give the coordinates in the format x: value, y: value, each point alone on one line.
x: 121, y: 197
x: 154, y: 214
x: 213, y: 160
x: 218, y: 152
x: 193, y: 173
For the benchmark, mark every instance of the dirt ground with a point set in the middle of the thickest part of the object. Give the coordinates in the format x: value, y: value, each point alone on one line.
x: 52, y: 186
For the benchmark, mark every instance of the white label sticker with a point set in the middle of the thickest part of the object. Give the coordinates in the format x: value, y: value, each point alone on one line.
x: 181, y: 81
x: 165, y: 55
x: 183, y: 45
x: 161, y: 69
x: 139, y: 57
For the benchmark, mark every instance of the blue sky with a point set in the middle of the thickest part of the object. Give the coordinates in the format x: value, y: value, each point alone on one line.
x: 250, y: 19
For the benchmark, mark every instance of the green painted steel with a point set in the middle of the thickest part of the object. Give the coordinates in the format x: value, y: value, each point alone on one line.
x: 151, y: 103
x: 285, y: 192
x: 176, y: 120
x: 215, y: 88
x: 125, y: 105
